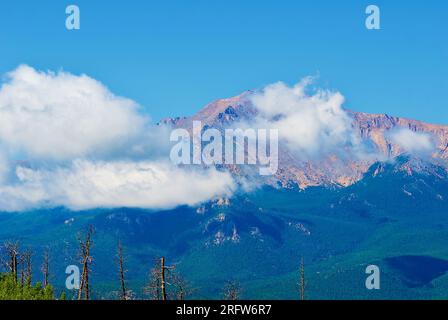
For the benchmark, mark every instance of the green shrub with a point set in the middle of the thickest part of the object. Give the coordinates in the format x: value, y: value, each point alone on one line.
x: 11, y: 289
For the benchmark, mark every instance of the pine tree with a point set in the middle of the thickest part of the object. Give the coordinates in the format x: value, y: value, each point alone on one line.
x: 11, y: 289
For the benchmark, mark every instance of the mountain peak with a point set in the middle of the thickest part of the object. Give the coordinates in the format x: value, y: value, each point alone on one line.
x: 210, y: 113
x: 330, y: 170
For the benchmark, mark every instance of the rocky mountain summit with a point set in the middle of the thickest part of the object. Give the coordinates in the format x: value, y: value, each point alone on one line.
x: 333, y: 169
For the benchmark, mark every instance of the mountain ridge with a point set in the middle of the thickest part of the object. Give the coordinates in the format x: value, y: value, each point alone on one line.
x: 371, y: 128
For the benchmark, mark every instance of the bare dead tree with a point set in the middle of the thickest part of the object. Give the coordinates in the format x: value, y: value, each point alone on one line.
x: 302, y: 282
x: 26, y: 270
x: 181, y: 287
x: 153, y: 289
x: 12, y: 258
x: 45, y: 268
x: 232, y: 290
x: 22, y: 275
x: 162, y: 277
x: 158, y: 280
x: 86, y: 260
x: 124, y: 295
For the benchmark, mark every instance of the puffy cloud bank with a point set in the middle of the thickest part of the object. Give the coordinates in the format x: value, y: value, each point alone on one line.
x: 61, y: 116
x: 86, y: 184
x: 311, y: 125
x: 66, y: 140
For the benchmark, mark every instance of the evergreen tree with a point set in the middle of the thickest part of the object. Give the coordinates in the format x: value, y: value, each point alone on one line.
x: 10, y: 289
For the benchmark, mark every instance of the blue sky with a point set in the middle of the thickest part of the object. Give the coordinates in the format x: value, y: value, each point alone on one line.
x: 173, y: 57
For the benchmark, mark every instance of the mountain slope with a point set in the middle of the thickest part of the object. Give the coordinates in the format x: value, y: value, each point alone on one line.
x: 258, y: 238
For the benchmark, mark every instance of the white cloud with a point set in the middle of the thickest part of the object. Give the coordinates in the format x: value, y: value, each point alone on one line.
x: 411, y: 141
x: 61, y: 116
x: 83, y: 147
x: 310, y: 125
x: 87, y: 184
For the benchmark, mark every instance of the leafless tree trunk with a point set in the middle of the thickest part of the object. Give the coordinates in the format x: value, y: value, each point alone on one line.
x: 162, y: 279
x: 12, y: 252
x: 163, y: 269
x: 122, y: 272
x: 26, y: 272
x: 158, y: 281
x: 302, y: 279
x: 46, y: 267
x: 86, y: 260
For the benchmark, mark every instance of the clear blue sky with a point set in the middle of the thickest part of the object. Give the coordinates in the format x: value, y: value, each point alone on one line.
x: 173, y: 57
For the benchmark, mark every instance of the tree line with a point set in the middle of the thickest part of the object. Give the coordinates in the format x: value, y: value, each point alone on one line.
x: 164, y: 283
